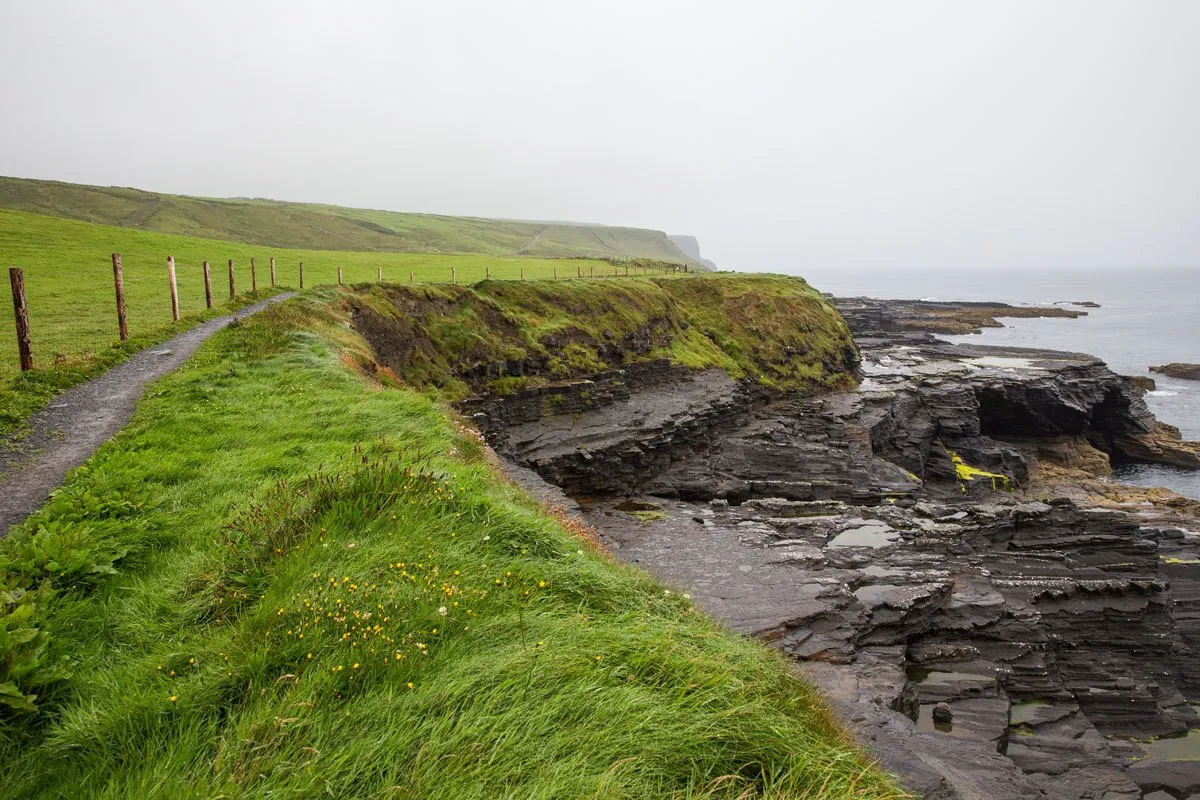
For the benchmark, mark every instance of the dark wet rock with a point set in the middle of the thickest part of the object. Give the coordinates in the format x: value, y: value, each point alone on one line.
x: 1162, y: 445
x: 1142, y: 383
x: 1187, y: 372
x: 1045, y: 628
x: 867, y: 314
x: 1176, y: 778
x: 943, y: 713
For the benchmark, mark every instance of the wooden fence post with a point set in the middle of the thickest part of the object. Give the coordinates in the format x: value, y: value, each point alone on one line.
x: 487, y: 273
x: 453, y: 275
x: 174, y: 288
x: 339, y: 276
x: 379, y: 273
x: 17, y: 278
x: 207, y: 286
x: 301, y: 274
x: 253, y: 276
x: 410, y: 276
x: 272, y: 272
x: 522, y: 273
x: 592, y: 273
x: 232, y: 291
x: 555, y: 267
x: 119, y: 285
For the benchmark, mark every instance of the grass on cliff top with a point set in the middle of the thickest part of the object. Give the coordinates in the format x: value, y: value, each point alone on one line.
x: 773, y: 329
x: 272, y: 223
x: 283, y: 579
x: 72, y: 311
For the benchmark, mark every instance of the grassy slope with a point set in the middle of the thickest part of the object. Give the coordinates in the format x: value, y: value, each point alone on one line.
x: 208, y: 586
x: 777, y: 330
x: 302, y: 225
x: 68, y: 282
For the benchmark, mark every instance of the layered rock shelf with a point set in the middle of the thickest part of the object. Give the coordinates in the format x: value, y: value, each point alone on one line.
x: 933, y: 316
x: 1187, y: 372
x: 938, y: 548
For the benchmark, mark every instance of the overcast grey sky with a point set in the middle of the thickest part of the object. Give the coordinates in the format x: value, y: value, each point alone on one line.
x: 785, y: 135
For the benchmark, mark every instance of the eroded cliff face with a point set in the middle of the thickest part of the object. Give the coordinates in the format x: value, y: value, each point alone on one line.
x: 986, y: 636
x: 505, y: 338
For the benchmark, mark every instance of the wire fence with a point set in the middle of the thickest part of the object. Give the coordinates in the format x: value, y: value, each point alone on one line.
x: 240, y: 282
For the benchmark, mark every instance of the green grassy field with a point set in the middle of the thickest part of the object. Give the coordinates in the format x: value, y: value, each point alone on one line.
x: 69, y: 288
x: 327, y: 227
x: 284, y: 579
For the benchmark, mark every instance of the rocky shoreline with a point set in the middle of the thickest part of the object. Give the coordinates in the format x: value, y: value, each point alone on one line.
x: 937, y: 548
x: 951, y: 318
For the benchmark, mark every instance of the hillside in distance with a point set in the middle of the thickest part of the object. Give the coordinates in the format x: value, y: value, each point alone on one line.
x: 275, y: 223
x: 691, y: 247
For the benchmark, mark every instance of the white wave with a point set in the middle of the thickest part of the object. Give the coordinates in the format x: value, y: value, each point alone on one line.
x: 1162, y: 393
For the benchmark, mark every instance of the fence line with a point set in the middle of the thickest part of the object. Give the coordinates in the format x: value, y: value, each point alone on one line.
x: 119, y: 287
x: 21, y: 309
x: 174, y: 288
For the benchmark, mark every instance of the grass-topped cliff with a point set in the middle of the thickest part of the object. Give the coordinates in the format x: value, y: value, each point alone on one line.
x: 273, y: 223
x: 285, y: 578
x: 502, y: 336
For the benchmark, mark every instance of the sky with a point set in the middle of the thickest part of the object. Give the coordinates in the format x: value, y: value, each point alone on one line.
x: 787, y: 136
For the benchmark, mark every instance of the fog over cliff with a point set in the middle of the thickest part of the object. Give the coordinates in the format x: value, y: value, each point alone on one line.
x: 869, y: 135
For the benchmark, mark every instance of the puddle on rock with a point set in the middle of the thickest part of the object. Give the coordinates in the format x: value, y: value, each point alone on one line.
x: 1003, y: 362
x: 876, y: 571
x: 870, y: 534
x: 926, y: 723
x: 935, y: 685
x: 1180, y: 748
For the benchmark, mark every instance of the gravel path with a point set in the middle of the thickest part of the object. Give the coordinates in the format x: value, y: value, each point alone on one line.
x: 67, y: 431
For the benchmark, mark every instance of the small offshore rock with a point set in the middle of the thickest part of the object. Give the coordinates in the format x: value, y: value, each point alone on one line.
x: 943, y: 713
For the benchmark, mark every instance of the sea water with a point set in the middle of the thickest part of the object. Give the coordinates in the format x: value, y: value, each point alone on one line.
x: 1147, y: 317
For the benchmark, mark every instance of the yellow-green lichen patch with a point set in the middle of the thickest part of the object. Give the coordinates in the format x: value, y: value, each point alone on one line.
x: 967, y: 474
x: 647, y: 516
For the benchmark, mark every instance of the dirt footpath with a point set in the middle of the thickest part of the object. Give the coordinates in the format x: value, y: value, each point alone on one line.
x: 67, y: 431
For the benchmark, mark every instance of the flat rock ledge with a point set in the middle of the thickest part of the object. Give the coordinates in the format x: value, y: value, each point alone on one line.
x: 1187, y: 372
